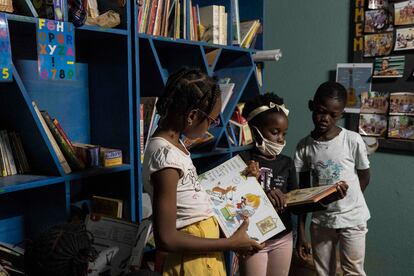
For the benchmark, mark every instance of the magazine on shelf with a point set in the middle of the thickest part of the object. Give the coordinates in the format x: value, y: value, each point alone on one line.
x: 235, y: 196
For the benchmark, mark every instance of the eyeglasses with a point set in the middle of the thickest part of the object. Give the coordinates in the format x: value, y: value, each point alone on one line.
x: 211, y: 121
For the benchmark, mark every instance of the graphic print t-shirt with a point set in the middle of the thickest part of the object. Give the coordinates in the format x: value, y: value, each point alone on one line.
x: 193, y: 203
x: 332, y: 161
x: 280, y: 174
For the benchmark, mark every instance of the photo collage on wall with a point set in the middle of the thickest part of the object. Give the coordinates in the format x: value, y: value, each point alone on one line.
x: 388, y: 27
x: 388, y: 115
x: 401, y: 119
x: 388, y: 45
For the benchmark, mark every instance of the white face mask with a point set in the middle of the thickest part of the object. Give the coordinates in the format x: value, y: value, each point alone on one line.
x: 268, y: 147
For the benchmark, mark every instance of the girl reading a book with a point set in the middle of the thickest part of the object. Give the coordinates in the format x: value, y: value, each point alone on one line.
x: 267, y: 118
x: 183, y: 219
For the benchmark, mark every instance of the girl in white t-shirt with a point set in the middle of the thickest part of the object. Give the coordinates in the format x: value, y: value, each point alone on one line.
x: 184, y: 224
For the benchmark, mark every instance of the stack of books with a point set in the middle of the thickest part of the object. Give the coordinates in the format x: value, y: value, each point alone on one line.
x: 75, y: 156
x: 13, y: 159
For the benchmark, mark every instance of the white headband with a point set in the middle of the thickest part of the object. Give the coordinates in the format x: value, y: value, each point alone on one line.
x: 264, y: 108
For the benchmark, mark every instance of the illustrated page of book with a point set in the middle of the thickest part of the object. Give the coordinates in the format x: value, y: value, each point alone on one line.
x: 235, y: 197
x: 305, y: 194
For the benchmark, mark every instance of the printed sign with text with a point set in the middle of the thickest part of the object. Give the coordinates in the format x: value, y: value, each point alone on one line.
x: 56, y: 50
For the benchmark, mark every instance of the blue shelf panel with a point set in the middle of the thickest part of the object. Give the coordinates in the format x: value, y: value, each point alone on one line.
x: 97, y: 171
x: 191, y: 42
x: 20, y: 182
x: 215, y: 54
x: 217, y: 151
x: 103, y: 30
x: 189, y: 55
x: 252, y: 88
x: 21, y: 18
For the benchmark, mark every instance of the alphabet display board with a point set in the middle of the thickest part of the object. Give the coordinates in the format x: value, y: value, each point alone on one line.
x: 389, y: 35
x: 56, y: 50
x: 5, y: 52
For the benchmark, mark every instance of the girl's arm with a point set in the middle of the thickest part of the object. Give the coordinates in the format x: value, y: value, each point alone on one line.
x: 168, y: 238
x: 364, y: 177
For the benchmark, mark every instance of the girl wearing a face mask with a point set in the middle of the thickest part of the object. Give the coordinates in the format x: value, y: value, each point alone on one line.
x: 268, y: 121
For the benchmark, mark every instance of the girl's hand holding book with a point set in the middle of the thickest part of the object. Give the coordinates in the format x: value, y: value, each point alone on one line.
x: 242, y: 244
x: 278, y: 199
x: 252, y: 169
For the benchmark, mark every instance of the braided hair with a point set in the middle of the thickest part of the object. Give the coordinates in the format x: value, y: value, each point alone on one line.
x: 259, y: 101
x: 186, y: 90
x: 63, y: 250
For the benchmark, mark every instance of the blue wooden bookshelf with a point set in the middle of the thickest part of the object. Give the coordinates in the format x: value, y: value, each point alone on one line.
x: 96, y: 108
x: 115, y: 68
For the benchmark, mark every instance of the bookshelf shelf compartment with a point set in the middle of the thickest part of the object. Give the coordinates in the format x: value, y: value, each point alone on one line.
x: 184, y: 54
x: 149, y: 65
x: 93, y: 28
x: 95, y: 108
x: 202, y: 154
x: 97, y: 171
x: 195, y: 43
x: 20, y: 182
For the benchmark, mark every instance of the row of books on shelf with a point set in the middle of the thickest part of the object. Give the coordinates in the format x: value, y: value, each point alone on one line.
x: 13, y: 159
x: 72, y: 155
x: 168, y: 18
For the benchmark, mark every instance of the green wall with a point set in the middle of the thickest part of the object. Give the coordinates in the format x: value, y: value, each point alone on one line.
x: 313, y: 36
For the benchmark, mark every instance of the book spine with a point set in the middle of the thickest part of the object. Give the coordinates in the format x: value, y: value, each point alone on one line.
x: 177, y: 19
x: 10, y: 157
x: 66, y: 149
x: 192, y: 36
x: 25, y: 163
x: 140, y: 11
x: 16, y: 154
x: 145, y: 15
x: 235, y: 22
x: 62, y: 160
x: 158, y: 18
x: 164, y: 19
x: 216, y: 24
x: 141, y: 131
x: 183, y: 20
x: 195, y: 23
x: 225, y: 27
x: 152, y: 15
x: 2, y: 159
x: 62, y: 133
x: 5, y: 155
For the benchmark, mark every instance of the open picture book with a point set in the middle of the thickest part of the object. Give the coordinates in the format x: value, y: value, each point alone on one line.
x: 235, y: 196
x: 309, y: 195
